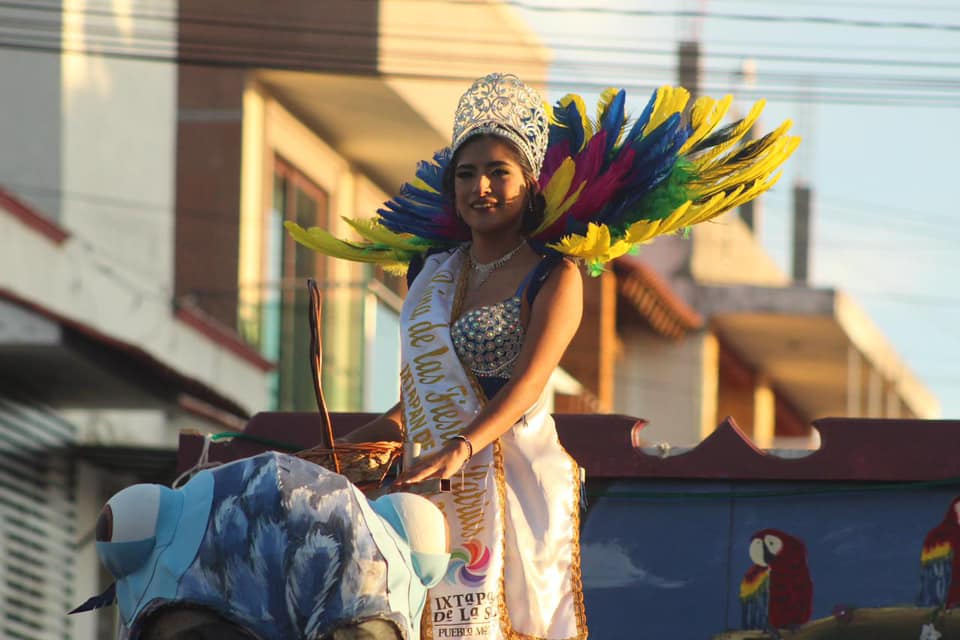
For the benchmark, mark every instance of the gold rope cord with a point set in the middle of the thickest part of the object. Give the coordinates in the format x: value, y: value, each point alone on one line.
x: 576, y: 582
x: 506, y: 627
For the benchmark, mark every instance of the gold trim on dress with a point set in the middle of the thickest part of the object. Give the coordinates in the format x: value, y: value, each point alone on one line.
x: 576, y: 582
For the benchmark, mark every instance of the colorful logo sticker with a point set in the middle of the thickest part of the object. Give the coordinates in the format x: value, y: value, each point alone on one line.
x: 468, y: 565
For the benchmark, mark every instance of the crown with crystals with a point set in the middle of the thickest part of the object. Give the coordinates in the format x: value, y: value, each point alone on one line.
x: 501, y: 104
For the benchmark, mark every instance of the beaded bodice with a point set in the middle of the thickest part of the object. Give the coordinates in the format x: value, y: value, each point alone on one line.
x: 488, y: 339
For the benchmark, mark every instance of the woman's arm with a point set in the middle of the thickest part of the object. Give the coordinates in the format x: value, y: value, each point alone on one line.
x: 554, y: 320
x: 383, y: 427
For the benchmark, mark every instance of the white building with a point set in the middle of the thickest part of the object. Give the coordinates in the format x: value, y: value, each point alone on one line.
x: 146, y: 165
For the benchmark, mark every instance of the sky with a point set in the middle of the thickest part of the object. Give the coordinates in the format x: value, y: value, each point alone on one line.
x: 873, y: 87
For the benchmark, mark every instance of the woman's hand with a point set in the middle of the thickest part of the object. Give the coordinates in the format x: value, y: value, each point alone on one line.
x: 443, y: 463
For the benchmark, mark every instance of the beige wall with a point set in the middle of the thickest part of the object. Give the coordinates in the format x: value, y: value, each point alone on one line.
x: 119, y: 132
x: 72, y: 281
x: 726, y: 252
x: 673, y: 385
x: 434, y: 38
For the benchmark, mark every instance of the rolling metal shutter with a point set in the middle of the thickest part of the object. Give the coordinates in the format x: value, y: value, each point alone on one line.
x: 37, y: 521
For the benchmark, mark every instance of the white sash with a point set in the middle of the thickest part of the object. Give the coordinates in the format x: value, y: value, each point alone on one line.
x: 514, y: 521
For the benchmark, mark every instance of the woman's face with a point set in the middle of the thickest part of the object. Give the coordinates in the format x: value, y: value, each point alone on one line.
x: 490, y: 191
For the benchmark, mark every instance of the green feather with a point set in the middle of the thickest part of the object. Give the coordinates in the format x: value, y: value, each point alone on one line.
x: 665, y: 198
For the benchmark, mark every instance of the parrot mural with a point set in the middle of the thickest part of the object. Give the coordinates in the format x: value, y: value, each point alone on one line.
x: 939, y: 574
x: 776, y: 592
x: 271, y: 547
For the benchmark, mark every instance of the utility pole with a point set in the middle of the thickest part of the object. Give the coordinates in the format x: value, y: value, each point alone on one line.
x: 746, y: 78
x: 802, y: 218
x: 802, y: 191
x: 688, y: 48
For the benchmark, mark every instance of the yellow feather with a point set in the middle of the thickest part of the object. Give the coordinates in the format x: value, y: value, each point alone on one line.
x: 582, y: 246
x: 935, y: 552
x: 606, y: 97
x: 395, y: 268
x: 705, y: 116
x: 643, y: 231
x: 761, y: 166
x: 323, y: 242
x: 548, y: 108
x: 618, y: 249
x: 420, y: 184
x: 704, y: 161
x: 595, y: 247
x: 704, y: 211
x: 373, y: 231
x: 552, y: 215
x: 669, y: 100
x: 647, y: 230
x: 556, y: 191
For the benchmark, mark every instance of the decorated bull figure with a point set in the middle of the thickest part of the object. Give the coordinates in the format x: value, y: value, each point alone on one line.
x: 268, y: 548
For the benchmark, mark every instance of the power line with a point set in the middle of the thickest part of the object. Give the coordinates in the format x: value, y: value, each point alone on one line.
x: 305, y: 58
x: 222, y: 45
x: 259, y: 22
x: 260, y: 26
x: 873, y: 6
x: 363, y: 68
x: 744, y: 17
x: 864, y: 207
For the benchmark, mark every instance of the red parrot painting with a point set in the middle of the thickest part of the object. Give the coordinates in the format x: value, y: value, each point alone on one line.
x: 939, y: 573
x: 776, y: 591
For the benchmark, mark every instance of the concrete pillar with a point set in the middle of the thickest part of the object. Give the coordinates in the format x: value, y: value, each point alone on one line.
x: 688, y: 67
x: 709, y: 383
x: 591, y: 356
x: 802, y: 196
x: 874, y: 394
x: 854, y: 381
x: 892, y: 404
x: 672, y: 384
x: 764, y: 414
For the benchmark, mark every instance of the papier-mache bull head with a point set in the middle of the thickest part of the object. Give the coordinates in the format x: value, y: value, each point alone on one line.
x: 270, y: 547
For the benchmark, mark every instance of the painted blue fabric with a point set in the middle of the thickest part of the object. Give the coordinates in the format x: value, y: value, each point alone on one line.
x: 277, y: 545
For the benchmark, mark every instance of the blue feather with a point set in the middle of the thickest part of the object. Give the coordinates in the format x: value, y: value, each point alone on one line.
x: 269, y: 543
x: 312, y: 572
x: 202, y: 583
x: 259, y: 493
x: 230, y: 526
x: 655, y: 157
x: 935, y: 579
x: 425, y: 213
x: 105, y: 599
x: 754, y: 611
x: 612, y: 121
x: 636, y: 131
x: 244, y: 591
x: 569, y: 126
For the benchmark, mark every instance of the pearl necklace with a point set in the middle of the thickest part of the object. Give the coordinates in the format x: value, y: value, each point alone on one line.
x: 482, y: 270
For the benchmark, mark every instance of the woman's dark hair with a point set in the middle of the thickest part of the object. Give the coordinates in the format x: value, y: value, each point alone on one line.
x: 536, y: 204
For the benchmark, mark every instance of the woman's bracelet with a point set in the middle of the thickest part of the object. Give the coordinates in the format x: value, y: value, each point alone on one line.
x: 469, y: 444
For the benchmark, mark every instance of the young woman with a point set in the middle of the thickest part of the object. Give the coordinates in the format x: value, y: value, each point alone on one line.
x: 488, y: 230
x: 483, y: 326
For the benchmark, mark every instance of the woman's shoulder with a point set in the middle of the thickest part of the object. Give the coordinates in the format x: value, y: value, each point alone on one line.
x: 552, y: 268
x: 565, y: 272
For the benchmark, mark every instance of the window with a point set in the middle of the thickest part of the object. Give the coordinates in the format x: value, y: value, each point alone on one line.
x: 283, y: 331
x: 359, y: 315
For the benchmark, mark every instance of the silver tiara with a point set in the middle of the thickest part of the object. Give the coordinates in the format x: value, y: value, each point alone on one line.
x: 500, y: 104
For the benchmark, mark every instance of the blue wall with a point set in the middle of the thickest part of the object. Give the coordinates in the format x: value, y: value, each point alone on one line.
x: 673, y: 565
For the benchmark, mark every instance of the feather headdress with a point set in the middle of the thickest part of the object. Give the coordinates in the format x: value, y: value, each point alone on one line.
x: 610, y: 183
